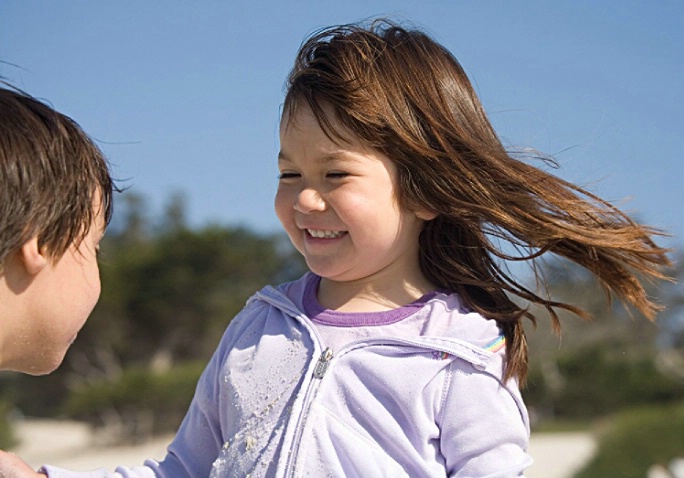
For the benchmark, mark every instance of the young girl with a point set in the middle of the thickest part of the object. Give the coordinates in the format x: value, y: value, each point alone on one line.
x: 401, y: 352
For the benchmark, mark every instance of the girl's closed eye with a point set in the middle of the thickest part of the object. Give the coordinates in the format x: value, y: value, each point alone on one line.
x: 284, y: 175
x: 337, y: 174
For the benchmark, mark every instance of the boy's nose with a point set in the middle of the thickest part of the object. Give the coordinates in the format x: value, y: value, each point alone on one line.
x: 308, y: 201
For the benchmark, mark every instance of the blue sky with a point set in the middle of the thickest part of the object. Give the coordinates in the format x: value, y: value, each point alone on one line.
x: 185, y: 96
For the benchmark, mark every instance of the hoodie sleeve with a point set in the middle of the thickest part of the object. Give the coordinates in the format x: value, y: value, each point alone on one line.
x: 483, y: 422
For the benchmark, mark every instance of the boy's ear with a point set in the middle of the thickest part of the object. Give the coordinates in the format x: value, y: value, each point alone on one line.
x: 32, y: 257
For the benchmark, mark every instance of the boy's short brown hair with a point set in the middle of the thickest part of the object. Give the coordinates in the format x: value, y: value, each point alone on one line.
x: 51, y: 172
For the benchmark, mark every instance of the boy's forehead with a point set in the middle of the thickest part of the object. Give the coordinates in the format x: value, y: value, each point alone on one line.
x: 98, y: 222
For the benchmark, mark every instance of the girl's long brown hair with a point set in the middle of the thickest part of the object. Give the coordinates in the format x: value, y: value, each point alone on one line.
x: 404, y: 94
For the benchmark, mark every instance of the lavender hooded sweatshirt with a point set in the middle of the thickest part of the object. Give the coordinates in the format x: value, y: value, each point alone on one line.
x: 273, y: 402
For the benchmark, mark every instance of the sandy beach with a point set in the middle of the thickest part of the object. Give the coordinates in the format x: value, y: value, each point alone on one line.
x: 70, y: 445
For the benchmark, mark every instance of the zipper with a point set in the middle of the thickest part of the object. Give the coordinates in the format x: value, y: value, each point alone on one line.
x: 323, y: 363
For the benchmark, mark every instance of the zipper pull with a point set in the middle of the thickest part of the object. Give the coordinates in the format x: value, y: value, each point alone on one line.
x: 323, y: 363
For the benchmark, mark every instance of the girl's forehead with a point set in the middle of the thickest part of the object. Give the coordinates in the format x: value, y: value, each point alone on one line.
x: 301, y: 120
x: 302, y: 115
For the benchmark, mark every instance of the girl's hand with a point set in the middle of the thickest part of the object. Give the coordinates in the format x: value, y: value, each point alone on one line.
x: 11, y: 466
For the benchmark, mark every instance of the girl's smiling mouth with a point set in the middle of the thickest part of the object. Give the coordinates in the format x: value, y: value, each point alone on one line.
x: 324, y: 234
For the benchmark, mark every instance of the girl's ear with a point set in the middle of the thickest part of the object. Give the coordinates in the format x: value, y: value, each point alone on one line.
x: 33, y: 258
x: 425, y: 215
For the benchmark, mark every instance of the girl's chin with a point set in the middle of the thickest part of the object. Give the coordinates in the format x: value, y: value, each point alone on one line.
x: 327, y: 273
x: 334, y: 275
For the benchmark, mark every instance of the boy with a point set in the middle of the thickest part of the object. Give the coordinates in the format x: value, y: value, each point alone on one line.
x: 55, y: 201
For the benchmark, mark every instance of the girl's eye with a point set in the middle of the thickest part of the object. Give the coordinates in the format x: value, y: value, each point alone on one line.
x: 288, y: 175
x: 337, y: 174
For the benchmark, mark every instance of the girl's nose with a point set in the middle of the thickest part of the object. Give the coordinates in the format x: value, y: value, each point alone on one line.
x: 308, y: 201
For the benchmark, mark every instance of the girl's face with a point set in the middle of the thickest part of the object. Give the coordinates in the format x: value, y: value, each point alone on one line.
x: 338, y: 204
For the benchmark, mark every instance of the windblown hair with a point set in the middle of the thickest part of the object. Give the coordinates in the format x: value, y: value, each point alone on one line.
x: 405, y: 95
x: 50, y: 174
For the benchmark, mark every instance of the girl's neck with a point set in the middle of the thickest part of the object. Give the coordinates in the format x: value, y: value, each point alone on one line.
x: 366, y: 295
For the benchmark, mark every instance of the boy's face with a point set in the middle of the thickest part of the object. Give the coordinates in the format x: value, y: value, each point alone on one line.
x: 64, y: 294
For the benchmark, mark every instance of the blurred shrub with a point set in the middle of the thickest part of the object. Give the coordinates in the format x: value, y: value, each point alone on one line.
x: 7, y: 438
x: 597, y: 380
x: 138, y: 403
x: 28, y: 392
x: 635, y: 439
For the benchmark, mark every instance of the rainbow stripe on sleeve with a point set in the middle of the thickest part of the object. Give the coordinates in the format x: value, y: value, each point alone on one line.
x: 497, y: 344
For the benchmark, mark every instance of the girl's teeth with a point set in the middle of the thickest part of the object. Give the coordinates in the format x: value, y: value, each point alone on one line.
x: 324, y: 234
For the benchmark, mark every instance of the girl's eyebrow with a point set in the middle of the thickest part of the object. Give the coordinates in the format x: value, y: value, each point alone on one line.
x: 337, y: 156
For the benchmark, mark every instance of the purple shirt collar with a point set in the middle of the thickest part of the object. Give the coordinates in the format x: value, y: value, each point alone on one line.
x: 321, y: 315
